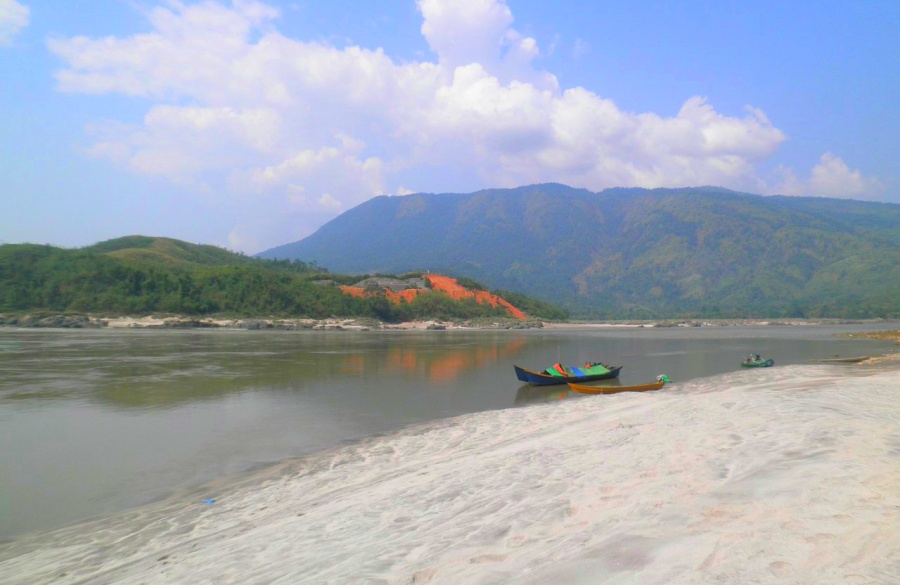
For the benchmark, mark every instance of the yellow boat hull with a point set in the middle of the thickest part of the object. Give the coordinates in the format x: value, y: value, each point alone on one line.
x: 583, y: 389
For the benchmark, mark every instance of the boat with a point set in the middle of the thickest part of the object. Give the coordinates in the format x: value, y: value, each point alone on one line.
x: 583, y: 389
x: 560, y: 374
x: 757, y: 362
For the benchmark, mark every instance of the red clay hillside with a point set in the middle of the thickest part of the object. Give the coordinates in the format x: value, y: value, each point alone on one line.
x: 445, y: 284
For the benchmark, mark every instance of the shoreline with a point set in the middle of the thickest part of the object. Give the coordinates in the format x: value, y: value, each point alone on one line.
x: 156, y: 321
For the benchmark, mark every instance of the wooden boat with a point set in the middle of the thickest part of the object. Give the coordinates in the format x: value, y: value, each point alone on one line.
x: 757, y: 363
x: 582, y: 389
x: 559, y: 374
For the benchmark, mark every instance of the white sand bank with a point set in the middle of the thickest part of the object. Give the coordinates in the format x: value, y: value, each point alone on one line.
x: 784, y: 475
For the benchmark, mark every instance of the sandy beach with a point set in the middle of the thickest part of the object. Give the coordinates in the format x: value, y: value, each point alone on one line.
x: 790, y: 475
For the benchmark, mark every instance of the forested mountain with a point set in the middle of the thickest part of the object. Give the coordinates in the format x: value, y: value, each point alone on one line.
x: 629, y: 253
x: 142, y: 275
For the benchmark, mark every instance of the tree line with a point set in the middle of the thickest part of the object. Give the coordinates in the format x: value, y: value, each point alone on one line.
x: 35, y: 278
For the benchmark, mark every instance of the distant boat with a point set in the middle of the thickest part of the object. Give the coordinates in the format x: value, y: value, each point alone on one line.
x: 582, y: 389
x: 560, y: 374
x: 757, y: 362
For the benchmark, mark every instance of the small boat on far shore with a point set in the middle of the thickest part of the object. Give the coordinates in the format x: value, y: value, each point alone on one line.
x: 583, y: 389
x: 757, y: 362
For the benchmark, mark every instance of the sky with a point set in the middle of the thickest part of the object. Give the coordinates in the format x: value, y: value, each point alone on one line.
x: 248, y: 124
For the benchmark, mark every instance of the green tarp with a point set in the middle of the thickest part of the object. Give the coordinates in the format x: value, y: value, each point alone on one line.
x: 594, y: 370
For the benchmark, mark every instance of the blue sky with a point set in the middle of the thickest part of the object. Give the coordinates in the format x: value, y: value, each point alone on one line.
x: 249, y: 124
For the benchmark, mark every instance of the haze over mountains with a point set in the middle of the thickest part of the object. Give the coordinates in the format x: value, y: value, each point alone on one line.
x: 632, y: 253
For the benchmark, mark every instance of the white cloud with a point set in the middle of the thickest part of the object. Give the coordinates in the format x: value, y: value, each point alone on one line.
x: 180, y: 142
x: 339, y: 167
x: 200, y: 50
x: 307, y: 130
x: 13, y: 18
x: 831, y: 177
x: 465, y: 31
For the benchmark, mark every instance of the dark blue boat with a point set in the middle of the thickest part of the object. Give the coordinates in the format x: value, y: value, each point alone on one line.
x: 559, y: 374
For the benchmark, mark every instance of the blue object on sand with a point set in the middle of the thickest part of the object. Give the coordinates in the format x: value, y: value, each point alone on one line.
x: 210, y: 501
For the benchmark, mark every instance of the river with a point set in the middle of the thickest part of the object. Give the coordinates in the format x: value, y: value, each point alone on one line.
x: 94, y: 422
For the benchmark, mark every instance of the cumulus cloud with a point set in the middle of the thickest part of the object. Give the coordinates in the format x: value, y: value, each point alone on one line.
x: 339, y: 166
x: 307, y: 130
x: 831, y: 177
x: 465, y: 31
x: 13, y: 18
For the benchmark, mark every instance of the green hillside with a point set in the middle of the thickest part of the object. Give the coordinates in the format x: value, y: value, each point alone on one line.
x: 143, y: 275
x: 166, y: 251
x: 634, y: 253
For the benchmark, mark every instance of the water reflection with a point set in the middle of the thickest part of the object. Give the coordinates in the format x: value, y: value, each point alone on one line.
x: 168, y: 369
x: 528, y: 394
x: 444, y: 366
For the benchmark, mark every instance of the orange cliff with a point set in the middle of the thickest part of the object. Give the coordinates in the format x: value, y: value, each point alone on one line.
x: 448, y: 286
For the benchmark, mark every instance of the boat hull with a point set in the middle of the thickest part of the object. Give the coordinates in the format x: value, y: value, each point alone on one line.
x: 539, y: 379
x: 582, y: 389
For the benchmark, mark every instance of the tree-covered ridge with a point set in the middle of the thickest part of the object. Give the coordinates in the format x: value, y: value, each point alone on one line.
x: 145, y: 249
x: 634, y: 253
x: 143, y: 275
x: 148, y: 250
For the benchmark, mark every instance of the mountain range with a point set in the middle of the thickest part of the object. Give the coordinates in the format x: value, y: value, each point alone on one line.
x: 631, y: 252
